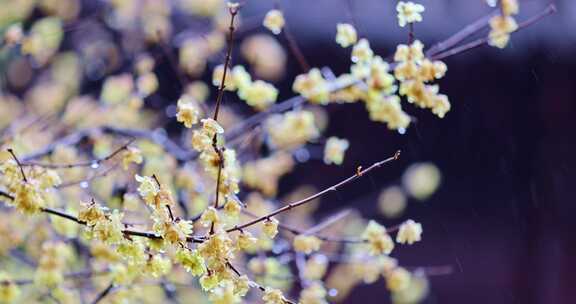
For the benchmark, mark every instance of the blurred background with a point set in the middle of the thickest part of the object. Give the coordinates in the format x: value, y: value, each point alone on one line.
x: 503, y: 216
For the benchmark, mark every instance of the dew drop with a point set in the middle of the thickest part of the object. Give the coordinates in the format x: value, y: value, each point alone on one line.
x: 84, y: 185
x: 333, y: 292
x: 94, y: 165
x: 401, y: 130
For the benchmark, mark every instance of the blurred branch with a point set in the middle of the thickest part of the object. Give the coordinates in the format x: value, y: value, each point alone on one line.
x: 550, y: 9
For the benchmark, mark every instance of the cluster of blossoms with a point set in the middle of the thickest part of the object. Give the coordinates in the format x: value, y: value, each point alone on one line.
x: 32, y: 190
x: 177, y: 208
x: 502, y: 25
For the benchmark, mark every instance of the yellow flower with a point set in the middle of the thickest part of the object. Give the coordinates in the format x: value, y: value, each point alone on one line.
x: 8, y: 290
x: 232, y: 208
x: 148, y: 188
x: 217, y: 75
x: 315, y: 293
x: 291, y: 129
x: 158, y: 266
x: 91, y: 213
x: 109, y: 229
x: 409, y: 12
x: 225, y: 293
x: 361, y: 52
x: 273, y: 296
x: 387, y: 109
x: 378, y: 77
x: 188, y: 113
x: 316, y: 267
x: 209, y: 281
x: 398, y: 279
x: 500, y: 29
x: 509, y: 7
x: 211, y: 127
x: 409, y: 233
x: 413, y: 52
x: 147, y: 84
x: 270, y: 227
x: 274, y: 21
x: 346, y: 34
x: 191, y: 261
x: 210, y: 216
x: 49, y: 179
x: 306, y: 243
x: 241, y: 285
x: 259, y: 94
x: 334, y: 150
x: 174, y: 232
x: 246, y: 241
x: 201, y: 141
x: 312, y: 86
x: 241, y: 77
x: 27, y: 198
x: 131, y: 155
x: 117, y: 89
x: 379, y: 241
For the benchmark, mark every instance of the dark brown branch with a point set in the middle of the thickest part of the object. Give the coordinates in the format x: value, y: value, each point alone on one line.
x: 103, y: 293
x: 317, y: 195
x: 297, y: 231
x: 70, y: 217
x: 19, y: 164
x: 233, y: 12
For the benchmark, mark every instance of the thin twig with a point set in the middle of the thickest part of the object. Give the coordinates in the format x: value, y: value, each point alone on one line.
x: 19, y: 164
x: 550, y: 9
x: 233, y: 12
x: 317, y: 195
x: 70, y: 217
x: 103, y: 293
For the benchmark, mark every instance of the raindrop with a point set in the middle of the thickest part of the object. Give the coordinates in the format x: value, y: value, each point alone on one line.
x: 84, y: 185
x: 333, y: 292
x: 94, y: 165
x: 401, y: 130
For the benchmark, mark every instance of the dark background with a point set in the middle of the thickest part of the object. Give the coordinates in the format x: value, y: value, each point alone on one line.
x: 504, y: 214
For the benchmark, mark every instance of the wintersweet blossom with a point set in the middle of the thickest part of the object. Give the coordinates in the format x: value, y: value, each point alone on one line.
x: 131, y: 155
x: 361, y: 52
x: 273, y: 296
x: 379, y: 241
x: 188, y: 113
x: 270, y: 227
x: 398, y: 279
x: 409, y: 12
x: 306, y: 243
x: 259, y: 94
x: 334, y: 150
x: 409, y: 232
x: 148, y: 188
x: 211, y: 127
x: 346, y: 35
x: 274, y: 21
